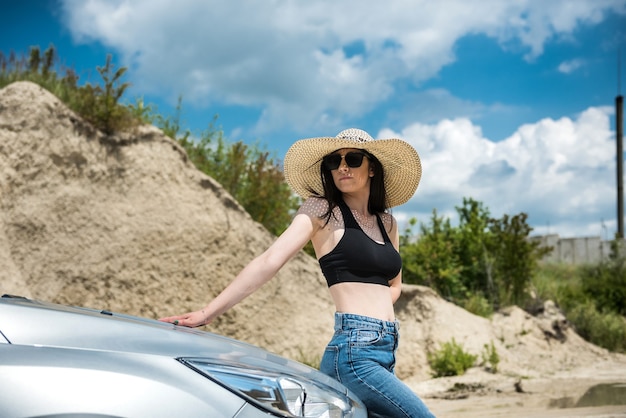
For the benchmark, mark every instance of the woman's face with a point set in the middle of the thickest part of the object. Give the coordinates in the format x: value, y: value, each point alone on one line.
x: 351, y: 169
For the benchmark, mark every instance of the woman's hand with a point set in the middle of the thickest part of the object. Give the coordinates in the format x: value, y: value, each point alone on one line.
x: 190, y: 319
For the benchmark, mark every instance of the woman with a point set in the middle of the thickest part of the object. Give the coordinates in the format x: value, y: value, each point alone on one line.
x: 348, y: 183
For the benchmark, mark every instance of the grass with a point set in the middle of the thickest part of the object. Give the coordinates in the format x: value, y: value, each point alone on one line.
x: 592, y: 320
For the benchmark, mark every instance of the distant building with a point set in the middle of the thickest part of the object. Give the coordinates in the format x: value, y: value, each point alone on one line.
x: 584, y: 250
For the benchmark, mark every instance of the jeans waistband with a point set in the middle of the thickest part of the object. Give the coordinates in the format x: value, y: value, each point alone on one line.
x: 346, y: 321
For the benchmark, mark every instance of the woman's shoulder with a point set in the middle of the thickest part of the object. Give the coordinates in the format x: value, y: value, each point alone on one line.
x: 315, y: 207
x: 388, y: 220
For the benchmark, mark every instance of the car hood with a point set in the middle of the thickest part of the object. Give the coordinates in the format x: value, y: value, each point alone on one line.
x: 28, y: 322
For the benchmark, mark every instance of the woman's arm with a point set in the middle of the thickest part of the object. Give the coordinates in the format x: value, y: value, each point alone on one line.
x: 258, y: 272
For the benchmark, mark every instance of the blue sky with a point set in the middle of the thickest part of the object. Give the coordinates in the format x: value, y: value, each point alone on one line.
x: 510, y: 103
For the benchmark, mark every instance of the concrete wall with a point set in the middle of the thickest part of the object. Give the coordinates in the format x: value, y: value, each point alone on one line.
x: 574, y: 250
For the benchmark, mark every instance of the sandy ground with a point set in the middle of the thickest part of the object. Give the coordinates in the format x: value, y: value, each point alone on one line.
x: 567, y: 394
x: 520, y: 407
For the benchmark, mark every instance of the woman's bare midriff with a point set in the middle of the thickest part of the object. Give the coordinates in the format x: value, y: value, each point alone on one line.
x: 364, y: 299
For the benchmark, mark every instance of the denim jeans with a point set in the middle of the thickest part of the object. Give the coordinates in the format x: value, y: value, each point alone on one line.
x: 361, y: 355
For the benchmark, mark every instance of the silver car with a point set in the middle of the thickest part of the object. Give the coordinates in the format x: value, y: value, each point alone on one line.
x: 60, y: 361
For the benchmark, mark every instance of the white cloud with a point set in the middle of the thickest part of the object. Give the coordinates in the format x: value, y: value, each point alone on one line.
x: 568, y: 67
x: 312, y: 66
x: 559, y: 172
x: 292, y: 59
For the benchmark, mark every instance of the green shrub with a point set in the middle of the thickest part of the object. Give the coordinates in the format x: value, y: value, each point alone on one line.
x: 605, y: 329
x: 579, y: 291
x: 477, y: 304
x: 250, y: 174
x: 431, y: 260
x: 558, y: 282
x: 515, y: 258
x: 605, y: 283
x: 101, y: 105
x: 490, y: 357
x: 450, y: 360
x: 97, y: 104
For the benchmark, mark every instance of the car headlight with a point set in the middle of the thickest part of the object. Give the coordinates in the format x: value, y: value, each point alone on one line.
x: 277, y: 392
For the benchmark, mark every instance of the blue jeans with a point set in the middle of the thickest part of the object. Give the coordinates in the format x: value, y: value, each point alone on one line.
x: 361, y: 355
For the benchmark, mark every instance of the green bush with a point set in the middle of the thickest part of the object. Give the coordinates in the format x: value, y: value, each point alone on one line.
x: 477, y: 304
x: 515, y: 258
x: 490, y: 357
x: 450, y: 360
x: 573, y: 290
x: 432, y: 261
x: 250, y: 174
x: 605, y: 329
x: 97, y: 104
x: 558, y: 282
x: 605, y: 283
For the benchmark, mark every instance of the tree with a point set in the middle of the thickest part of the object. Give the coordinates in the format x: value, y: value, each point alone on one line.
x: 472, y: 247
x: 432, y: 260
x: 515, y: 257
x: 483, y: 260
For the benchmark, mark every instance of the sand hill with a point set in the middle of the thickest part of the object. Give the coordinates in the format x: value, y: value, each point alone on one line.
x: 126, y: 223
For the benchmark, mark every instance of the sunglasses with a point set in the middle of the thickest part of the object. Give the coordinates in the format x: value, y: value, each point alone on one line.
x: 353, y: 159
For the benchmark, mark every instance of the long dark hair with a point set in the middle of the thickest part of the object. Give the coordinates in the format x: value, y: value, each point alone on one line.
x: 377, y: 202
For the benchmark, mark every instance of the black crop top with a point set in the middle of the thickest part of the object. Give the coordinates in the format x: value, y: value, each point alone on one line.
x: 358, y: 258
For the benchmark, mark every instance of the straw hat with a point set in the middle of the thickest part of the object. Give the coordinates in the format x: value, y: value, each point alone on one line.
x: 400, y: 161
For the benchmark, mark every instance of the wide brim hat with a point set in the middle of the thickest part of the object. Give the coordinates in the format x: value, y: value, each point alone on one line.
x: 400, y: 161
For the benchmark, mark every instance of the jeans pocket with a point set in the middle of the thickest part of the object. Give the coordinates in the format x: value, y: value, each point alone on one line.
x: 365, y: 337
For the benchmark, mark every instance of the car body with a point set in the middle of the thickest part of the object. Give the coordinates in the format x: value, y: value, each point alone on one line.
x: 60, y: 360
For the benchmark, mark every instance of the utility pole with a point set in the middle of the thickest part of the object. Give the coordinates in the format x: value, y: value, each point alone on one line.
x: 619, y: 136
x: 619, y: 139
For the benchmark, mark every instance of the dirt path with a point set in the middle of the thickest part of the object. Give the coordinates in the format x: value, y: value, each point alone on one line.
x: 598, y: 390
